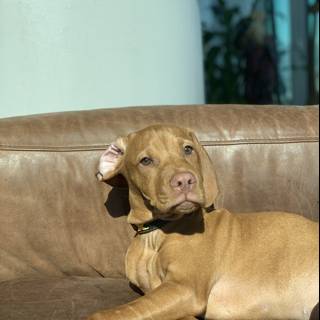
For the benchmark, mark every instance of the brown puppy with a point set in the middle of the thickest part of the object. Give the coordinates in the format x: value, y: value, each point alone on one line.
x: 193, y: 262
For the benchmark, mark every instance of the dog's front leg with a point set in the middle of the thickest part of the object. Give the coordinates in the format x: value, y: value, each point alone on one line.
x: 170, y: 301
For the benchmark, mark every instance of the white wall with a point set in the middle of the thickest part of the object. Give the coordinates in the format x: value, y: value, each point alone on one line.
x: 70, y: 55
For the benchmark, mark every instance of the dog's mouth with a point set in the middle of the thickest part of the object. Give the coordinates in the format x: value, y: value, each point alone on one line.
x: 184, y: 204
x: 179, y: 210
x: 174, y: 209
x: 185, y: 207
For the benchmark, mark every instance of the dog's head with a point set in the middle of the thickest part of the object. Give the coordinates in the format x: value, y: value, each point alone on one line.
x: 168, y: 172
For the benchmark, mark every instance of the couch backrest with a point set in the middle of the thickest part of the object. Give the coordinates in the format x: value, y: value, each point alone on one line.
x: 54, y: 217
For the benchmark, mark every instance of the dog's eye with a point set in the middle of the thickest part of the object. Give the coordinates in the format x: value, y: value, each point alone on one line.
x: 188, y: 150
x: 146, y: 161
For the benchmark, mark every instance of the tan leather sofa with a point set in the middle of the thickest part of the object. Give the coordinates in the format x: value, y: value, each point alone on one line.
x: 63, y: 235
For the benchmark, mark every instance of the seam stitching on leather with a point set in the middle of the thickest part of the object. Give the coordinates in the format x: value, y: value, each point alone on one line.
x: 261, y: 141
x: 204, y: 143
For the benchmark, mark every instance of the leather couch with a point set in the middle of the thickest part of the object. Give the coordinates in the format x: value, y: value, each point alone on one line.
x: 63, y: 235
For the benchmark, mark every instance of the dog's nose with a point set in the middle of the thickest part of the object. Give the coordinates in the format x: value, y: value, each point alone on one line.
x: 183, y: 182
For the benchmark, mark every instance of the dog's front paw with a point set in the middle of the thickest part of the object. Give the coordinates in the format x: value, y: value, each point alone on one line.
x: 94, y: 317
x: 97, y: 316
x: 106, y: 315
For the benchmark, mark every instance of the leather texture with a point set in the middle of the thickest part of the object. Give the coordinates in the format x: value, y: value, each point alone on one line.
x: 57, y: 220
x: 216, y: 124
x: 60, y: 298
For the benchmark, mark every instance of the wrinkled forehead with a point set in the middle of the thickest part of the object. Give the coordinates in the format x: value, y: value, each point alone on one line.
x: 162, y: 138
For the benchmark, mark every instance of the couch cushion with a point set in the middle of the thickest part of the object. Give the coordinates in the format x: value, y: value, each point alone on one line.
x: 69, y: 298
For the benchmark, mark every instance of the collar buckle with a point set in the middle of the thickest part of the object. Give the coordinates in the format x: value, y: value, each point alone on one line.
x: 149, y: 227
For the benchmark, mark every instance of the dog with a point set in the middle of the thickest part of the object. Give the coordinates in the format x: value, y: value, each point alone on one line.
x: 192, y: 260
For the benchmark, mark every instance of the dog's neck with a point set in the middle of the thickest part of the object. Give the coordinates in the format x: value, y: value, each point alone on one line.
x: 142, y: 210
x: 148, y: 227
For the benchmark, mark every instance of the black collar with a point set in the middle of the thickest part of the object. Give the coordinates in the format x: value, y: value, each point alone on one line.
x: 149, y: 227
x: 157, y: 224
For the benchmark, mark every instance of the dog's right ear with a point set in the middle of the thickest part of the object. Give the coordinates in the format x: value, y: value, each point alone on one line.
x: 111, y: 164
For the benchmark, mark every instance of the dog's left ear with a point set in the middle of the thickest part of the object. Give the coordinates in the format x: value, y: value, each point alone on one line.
x: 111, y: 163
x: 207, y: 171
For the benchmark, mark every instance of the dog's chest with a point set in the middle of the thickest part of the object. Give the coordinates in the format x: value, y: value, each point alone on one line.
x: 142, y: 262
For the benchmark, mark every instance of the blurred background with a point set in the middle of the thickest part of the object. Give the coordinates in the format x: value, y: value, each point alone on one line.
x: 261, y: 51
x: 67, y: 55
